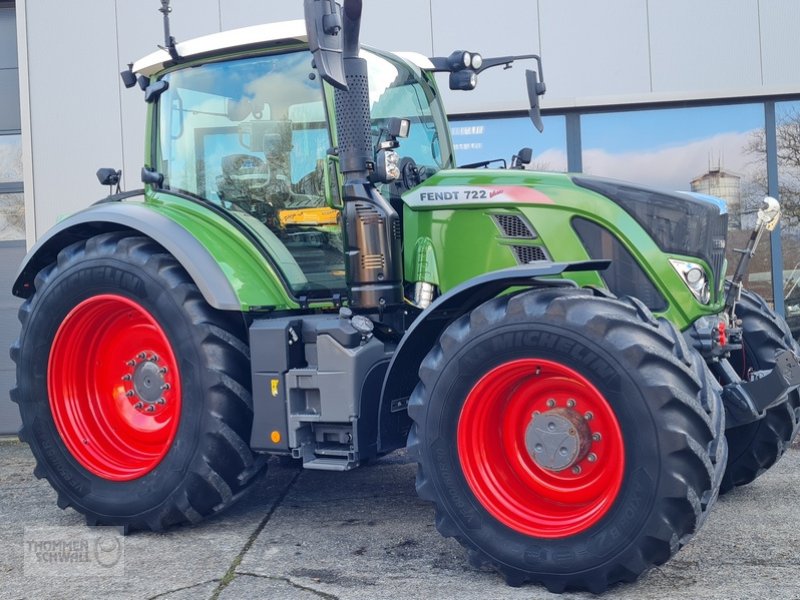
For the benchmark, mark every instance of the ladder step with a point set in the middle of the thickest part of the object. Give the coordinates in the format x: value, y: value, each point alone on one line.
x: 329, y: 464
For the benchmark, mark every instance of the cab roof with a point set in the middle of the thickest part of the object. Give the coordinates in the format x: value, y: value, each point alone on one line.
x: 268, y: 34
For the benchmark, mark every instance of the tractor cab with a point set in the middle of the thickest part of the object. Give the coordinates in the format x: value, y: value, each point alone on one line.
x: 254, y: 135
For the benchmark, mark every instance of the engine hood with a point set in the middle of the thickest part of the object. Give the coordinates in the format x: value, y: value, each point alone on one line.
x: 475, y: 187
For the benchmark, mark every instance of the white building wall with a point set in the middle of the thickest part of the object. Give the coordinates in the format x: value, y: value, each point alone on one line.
x: 77, y: 116
x: 709, y: 46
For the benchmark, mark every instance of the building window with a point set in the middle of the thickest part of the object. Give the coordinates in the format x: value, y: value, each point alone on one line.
x: 787, y: 123
x: 12, y: 206
x: 10, y: 158
x: 711, y: 150
x: 477, y: 140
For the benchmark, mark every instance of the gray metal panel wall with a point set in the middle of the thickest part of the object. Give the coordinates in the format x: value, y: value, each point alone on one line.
x: 611, y: 52
x: 702, y: 46
x: 243, y: 13
x: 406, y: 29
x: 11, y: 254
x: 780, y: 49
x: 74, y: 102
x: 511, y: 29
x: 594, y: 49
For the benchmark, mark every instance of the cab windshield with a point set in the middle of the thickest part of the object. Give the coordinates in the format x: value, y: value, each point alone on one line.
x: 398, y: 90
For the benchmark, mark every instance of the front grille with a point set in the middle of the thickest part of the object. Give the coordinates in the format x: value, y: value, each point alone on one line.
x: 526, y: 254
x: 514, y: 226
x: 719, y: 231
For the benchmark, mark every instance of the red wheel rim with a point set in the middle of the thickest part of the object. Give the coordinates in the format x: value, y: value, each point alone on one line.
x: 510, y: 402
x: 114, y: 387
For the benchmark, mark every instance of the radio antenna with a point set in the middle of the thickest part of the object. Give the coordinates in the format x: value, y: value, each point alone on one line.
x: 169, y: 41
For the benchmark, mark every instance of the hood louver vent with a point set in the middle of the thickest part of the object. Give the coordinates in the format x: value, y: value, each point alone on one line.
x: 526, y: 254
x: 514, y: 226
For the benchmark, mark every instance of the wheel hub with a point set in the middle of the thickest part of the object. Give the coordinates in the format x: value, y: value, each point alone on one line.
x: 558, y: 439
x: 148, y: 381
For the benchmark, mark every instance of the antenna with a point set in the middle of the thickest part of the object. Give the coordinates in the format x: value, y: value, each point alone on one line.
x: 169, y: 41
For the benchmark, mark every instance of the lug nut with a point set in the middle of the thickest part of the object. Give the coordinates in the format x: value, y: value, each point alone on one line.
x: 162, y: 370
x: 126, y: 377
x: 129, y: 393
x: 551, y: 402
x: 131, y: 363
x: 154, y: 358
x: 161, y: 401
x: 141, y: 356
x: 138, y: 405
x: 151, y: 408
x: 576, y: 469
x: 570, y: 403
x: 596, y: 437
x: 588, y: 416
x: 165, y: 387
x: 592, y: 457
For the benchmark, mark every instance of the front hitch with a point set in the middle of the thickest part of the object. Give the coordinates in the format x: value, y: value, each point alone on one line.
x: 747, y: 401
x: 768, y: 217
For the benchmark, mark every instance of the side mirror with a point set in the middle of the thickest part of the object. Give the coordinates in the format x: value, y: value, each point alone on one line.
x: 109, y: 177
x: 522, y: 158
x: 324, y: 28
x: 536, y: 88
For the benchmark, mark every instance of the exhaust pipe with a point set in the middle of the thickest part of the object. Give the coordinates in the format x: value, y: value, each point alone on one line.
x: 371, y: 226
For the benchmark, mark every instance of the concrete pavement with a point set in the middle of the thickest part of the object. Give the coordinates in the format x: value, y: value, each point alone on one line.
x: 365, y: 535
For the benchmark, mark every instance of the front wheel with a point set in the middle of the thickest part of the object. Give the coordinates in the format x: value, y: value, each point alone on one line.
x: 566, y: 439
x: 757, y: 446
x: 133, y: 392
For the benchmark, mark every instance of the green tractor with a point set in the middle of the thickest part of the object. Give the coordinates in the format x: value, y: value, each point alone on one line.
x: 307, y: 273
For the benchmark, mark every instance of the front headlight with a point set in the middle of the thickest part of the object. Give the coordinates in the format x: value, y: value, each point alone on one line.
x: 694, y: 276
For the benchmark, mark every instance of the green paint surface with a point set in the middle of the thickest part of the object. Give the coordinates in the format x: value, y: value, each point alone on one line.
x: 466, y: 241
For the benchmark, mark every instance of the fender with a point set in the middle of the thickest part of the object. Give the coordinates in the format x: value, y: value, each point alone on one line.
x: 401, y: 376
x: 222, y: 288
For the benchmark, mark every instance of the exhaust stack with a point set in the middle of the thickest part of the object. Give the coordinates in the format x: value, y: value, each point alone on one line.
x: 372, y: 227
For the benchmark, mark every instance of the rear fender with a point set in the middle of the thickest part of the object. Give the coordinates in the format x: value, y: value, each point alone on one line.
x: 401, y: 376
x: 219, y: 288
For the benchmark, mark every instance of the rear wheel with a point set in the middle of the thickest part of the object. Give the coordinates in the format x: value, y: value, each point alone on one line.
x: 134, y: 393
x: 566, y: 439
x: 755, y: 447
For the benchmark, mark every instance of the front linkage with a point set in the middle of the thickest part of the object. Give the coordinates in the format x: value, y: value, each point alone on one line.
x: 747, y: 397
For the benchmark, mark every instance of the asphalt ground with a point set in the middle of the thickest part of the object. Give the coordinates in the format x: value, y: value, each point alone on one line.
x: 365, y: 535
